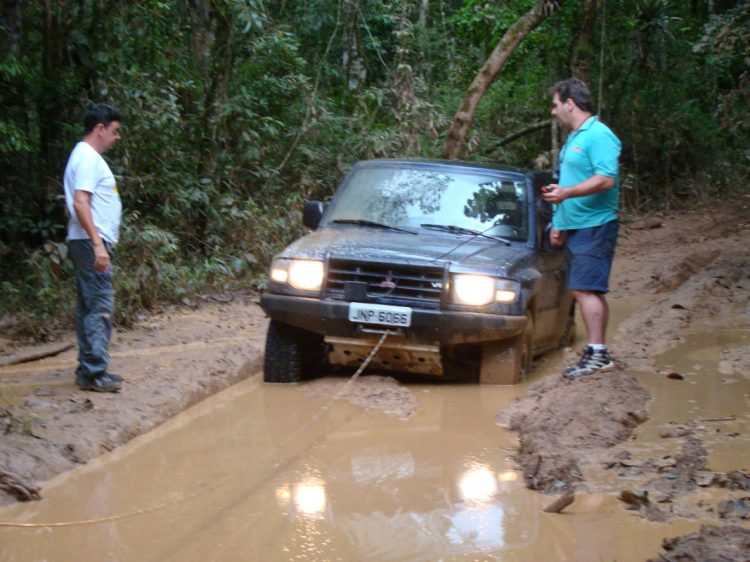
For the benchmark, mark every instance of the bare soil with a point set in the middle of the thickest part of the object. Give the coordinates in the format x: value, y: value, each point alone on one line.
x: 694, y: 267
x: 169, y: 361
x: 691, y: 267
x: 718, y: 544
x: 558, y: 428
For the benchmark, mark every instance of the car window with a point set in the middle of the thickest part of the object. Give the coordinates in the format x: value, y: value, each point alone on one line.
x: 411, y: 197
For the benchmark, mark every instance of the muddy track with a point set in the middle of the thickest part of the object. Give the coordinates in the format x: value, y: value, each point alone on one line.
x: 696, y: 269
x: 170, y: 362
x: 585, y: 435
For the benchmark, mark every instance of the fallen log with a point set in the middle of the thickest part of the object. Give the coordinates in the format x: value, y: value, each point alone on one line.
x: 34, y: 355
x: 561, y: 503
x: 17, y: 486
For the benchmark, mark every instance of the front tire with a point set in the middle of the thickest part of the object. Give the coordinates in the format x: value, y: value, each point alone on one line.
x: 292, y: 353
x: 568, y: 337
x: 508, y: 361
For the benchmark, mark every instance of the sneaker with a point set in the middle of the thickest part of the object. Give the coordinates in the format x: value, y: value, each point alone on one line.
x: 591, y: 362
x: 83, y: 379
x: 102, y: 383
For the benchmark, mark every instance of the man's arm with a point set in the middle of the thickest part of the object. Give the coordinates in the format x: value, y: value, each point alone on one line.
x: 82, y: 206
x: 595, y: 184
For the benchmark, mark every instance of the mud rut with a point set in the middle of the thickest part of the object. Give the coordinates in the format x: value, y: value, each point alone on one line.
x: 692, y: 271
x: 564, y: 425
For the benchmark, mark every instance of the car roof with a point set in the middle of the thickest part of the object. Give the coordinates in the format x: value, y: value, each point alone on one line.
x: 437, y: 164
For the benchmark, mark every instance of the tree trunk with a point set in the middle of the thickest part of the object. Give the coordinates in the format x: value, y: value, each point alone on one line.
x: 53, y: 48
x: 351, y: 60
x: 583, y: 43
x: 424, y: 9
x: 487, y: 74
x: 406, y: 100
x: 221, y: 68
x: 216, y: 97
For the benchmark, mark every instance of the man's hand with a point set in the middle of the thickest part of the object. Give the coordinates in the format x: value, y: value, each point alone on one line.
x: 553, y: 193
x: 557, y: 238
x: 101, y: 258
x: 82, y: 207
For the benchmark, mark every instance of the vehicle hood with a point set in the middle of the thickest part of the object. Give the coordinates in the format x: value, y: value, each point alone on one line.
x: 427, y: 247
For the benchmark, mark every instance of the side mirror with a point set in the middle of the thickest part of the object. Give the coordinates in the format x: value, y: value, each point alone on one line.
x: 312, y: 213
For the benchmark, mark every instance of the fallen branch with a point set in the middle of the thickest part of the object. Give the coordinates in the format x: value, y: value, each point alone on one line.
x: 525, y: 131
x: 561, y: 503
x: 14, y: 484
x: 15, y: 359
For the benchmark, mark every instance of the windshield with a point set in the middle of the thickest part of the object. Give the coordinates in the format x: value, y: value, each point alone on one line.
x: 411, y: 198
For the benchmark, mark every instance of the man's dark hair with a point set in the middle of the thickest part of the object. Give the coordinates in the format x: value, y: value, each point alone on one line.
x: 99, y: 113
x: 576, y: 90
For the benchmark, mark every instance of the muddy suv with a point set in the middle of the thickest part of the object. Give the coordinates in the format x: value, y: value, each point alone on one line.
x: 449, y: 258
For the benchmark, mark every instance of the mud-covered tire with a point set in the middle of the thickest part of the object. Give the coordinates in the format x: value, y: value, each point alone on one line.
x: 292, y: 353
x: 508, y: 361
x: 568, y: 337
x: 461, y: 363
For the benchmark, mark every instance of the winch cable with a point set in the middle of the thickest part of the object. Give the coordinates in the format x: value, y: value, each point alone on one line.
x: 203, y: 489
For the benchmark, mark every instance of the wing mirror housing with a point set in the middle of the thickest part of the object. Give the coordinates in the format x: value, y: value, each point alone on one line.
x: 312, y: 213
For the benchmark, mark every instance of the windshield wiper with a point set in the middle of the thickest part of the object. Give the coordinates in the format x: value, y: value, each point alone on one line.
x: 372, y: 223
x: 461, y: 230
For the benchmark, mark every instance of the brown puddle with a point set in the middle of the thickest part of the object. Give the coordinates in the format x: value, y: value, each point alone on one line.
x: 257, y: 472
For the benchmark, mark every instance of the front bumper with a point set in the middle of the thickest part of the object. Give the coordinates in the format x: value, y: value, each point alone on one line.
x: 331, y: 318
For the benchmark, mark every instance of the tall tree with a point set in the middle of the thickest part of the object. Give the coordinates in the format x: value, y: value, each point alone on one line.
x: 583, y: 41
x: 351, y: 59
x: 489, y: 71
x: 222, y: 55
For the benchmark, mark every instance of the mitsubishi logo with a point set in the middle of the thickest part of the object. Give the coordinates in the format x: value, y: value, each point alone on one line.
x: 388, y: 281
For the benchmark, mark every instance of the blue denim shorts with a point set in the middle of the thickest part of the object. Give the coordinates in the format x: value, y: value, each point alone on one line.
x: 589, y: 256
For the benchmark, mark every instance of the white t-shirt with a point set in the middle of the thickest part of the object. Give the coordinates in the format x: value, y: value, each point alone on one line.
x: 87, y: 171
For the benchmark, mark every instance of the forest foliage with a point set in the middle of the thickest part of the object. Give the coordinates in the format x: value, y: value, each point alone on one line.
x: 236, y: 111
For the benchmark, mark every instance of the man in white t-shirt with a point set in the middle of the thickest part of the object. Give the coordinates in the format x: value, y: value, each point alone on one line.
x: 94, y: 211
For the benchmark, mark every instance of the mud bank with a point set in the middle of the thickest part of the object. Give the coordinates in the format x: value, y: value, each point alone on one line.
x: 720, y: 544
x: 689, y: 276
x: 687, y: 279
x: 169, y: 361
x: 561, y: 423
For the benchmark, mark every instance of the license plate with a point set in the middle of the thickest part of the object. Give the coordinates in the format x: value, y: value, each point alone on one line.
x: 380, y: 314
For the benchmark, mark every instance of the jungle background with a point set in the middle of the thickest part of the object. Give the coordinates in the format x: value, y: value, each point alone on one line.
x: 237, y: 111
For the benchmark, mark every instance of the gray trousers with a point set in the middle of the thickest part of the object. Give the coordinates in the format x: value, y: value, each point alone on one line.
x: 94, y: 310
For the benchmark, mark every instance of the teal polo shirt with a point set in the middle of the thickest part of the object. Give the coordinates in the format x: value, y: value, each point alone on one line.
x: 593, y: 149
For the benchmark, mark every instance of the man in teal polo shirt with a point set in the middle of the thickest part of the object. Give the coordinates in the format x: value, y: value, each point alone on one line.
x: 585, y: 215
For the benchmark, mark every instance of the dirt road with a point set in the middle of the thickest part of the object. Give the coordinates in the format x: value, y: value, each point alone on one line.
x: 688, y: 276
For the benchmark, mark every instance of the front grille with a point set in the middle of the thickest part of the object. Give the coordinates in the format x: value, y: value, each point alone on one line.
x: 386, y: 283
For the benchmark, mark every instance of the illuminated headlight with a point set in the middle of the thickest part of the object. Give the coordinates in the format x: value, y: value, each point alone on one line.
x: 473, y: 290
x: 480, y: 290
x: 506, y: 291
x: 305, y: 275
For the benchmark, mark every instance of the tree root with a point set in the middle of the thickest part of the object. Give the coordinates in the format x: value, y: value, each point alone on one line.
x: 14, y: 484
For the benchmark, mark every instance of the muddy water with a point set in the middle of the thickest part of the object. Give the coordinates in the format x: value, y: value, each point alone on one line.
x: 262, y: 472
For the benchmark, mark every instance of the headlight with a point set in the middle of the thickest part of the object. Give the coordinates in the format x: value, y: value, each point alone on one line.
x: 473, y: 290
x: 479, y: 290
x: 506, y: 291
x: 305, y: 275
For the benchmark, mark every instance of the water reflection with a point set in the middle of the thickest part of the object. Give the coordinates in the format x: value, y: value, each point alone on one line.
x: 308, y: 498
x: 479, y: 520
x: 478, y: 485
x: 379, y: 468
x: 507, y: 476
